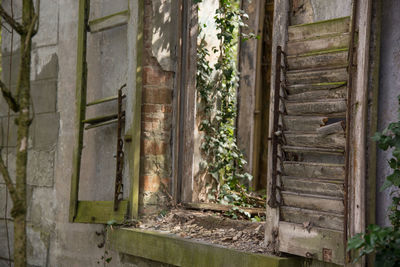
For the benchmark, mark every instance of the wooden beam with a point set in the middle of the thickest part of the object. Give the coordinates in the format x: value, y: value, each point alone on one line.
x: 135, y: 53
x: 100, y: 212
x: 176, y: 251
x: 80, y: 96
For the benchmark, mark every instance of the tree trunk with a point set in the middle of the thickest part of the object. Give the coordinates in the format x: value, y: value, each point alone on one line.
x: 23, y: 91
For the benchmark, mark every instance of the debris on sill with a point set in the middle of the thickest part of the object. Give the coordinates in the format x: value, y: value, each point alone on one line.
x: 210, y: 227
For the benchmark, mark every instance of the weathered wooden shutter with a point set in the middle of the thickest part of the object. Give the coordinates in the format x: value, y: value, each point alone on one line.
x: 306, y: 181
x: 96, y: 211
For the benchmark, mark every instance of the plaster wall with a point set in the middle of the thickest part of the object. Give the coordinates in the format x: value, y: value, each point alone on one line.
x: 52, y: 240
x: 389, y: 90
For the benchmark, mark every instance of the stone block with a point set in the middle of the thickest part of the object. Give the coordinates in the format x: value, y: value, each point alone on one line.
x: 48, y: 24
x: 45, y: 133
x: 44, y: 96
x: 45, y: 62
x: 37, y: 246
x: 12, y: 135
x: 3, y: 239
x: 11, y: 63
x: 3, y: 202
x: 40, y: 168
x: 11, y: 164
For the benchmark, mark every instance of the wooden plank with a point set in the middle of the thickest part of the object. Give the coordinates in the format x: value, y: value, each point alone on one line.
x: 337, y: 93
x: 320, y: 59
x: 337, y: 141
x: 109, y: 22
x: 312, y: 154
x: 337, y: 127
x: 321, y: 75
x: 313, y: 186
x: 312, y: 30
x: 100, y: 212
x: 313, y: 202
x: 313, y: 218
x: 311, y: 243
x: 177, y: 251
x: 319, y: 43
x: 303, y: 123
x: 220, y: 207
x: 301, y: 88
x: 81, y: 88
x: 317, y: 108
x: 313, y: 170
x: 103, y: 100
x: 135, y: 44
x: 279, y: 38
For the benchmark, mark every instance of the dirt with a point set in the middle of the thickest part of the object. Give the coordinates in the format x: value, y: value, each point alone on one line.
x: 210, y: 227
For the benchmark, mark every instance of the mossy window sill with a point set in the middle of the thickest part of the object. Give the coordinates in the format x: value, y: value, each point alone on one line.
x: 173, y: 250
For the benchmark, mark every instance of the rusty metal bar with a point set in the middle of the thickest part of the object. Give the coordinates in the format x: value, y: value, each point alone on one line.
x: 272, y: 202
x: 120, y: 154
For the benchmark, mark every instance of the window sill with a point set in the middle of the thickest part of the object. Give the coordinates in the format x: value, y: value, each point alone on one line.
x: 170, y: 249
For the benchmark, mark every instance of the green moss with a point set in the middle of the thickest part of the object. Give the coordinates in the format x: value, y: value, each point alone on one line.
x: 321, y: 52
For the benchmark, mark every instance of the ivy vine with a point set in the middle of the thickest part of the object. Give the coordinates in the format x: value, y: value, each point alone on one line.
x: 217, y: 90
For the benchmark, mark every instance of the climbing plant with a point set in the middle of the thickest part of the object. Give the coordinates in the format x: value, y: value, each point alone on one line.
x: 217, y: 90
x: 385, y: 241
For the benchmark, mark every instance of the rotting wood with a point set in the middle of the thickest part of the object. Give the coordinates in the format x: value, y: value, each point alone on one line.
x: 303, y: 123
x: 310, y: 242
x: 313, y: 218
x: 320, y: 94
x: 313, y: 202
x: 103, y: 100
x: 331, y: 188
x: 318, y: 43
x: 312, y: 30
x: 92, y: 126
x: 100, y: 212
x: 81, y: 87
x: 315, y: 140
x: 320, y: 75
x: 109, y: 22
x: 100, y: 119
x: 301, y: 88
x: 331, y: 58
x: 334, y: 128
x: 317, y: 108
x: 299, y: 149
x: 313, y: 170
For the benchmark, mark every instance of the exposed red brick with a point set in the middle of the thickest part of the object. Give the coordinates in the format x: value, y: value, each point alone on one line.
x: 151, y: 183
x: 157, y: 95
x: 153, y: 147
x: 157, y: 77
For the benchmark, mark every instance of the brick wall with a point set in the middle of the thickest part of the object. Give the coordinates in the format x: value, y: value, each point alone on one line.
x: 156, y: 152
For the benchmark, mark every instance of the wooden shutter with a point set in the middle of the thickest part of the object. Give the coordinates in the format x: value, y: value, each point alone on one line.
x: 96, y: 211
x: 306, y: 176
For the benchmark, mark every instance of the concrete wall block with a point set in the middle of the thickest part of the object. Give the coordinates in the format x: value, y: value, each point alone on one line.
x: 42, y: 208
x: 40, y: 168
x: 11, y: 164
x: 46, y: 128
x: 3, y: 202
x: 13, y: 62
x: 37, y: 246
x: 48, y: 24
x: 44, y: 96
x: 3, y: 239
x: 12, y: 135
x: 45, y: 63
